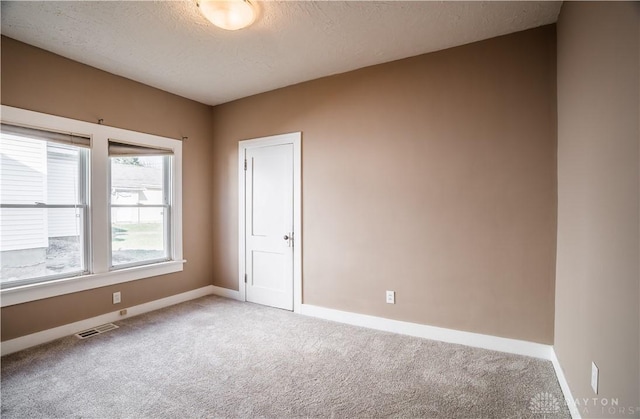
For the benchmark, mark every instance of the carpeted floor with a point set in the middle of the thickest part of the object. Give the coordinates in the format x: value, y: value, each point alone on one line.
x: 214, y: 357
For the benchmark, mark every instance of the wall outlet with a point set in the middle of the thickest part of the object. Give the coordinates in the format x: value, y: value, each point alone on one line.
x: 594, y: 377
x: 116, y: 297
x: 123, y: 312
x: 391, y: 297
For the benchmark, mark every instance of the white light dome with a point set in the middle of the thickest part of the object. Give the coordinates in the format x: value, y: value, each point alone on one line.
x: 228, y: 14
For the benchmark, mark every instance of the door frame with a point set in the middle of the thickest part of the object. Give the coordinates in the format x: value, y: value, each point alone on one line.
x: 294, y: 138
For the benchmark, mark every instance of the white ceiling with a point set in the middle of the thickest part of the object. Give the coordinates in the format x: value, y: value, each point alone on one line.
x: 169, y: 45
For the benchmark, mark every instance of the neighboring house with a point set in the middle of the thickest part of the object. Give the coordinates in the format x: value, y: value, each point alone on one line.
x: 23, y: 177
x: 135, y: 184
x: 44, y: 171
x: 32, y: 172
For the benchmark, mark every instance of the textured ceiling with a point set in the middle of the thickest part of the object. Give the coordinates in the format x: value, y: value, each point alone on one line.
x: 169, y: 45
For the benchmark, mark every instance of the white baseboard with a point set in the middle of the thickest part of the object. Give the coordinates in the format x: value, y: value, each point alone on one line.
x: 226, y: 293
x: 564, y: 385
x: 514, y: 346
x: 24, y: 342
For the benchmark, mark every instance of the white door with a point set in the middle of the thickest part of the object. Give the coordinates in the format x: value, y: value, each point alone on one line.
x: 269, y: 225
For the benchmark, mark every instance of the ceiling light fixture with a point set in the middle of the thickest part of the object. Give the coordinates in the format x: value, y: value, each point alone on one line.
x: 228, y: 14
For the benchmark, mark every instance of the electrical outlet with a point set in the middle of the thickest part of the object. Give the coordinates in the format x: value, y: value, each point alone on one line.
x: 117, y: 297
x: 123, y: 312
x: 391, y: 297
x: 594, y: 377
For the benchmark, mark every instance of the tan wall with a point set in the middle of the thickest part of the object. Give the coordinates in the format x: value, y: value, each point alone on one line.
x: 38, y: 80
x: 434, y: 176
x: 597, y: 286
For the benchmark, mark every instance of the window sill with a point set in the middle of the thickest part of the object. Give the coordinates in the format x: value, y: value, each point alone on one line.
x: 33, y: 292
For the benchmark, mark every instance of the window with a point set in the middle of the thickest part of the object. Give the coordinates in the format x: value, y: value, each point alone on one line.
x: 43, y: 197
x: 80, y: 210
x: 140, y: 204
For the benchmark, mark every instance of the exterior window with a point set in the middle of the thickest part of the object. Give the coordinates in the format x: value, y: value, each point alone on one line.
x: 140, y: 210
x: 43, y: 197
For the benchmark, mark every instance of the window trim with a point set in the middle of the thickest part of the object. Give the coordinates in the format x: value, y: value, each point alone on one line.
x: 98, y: 234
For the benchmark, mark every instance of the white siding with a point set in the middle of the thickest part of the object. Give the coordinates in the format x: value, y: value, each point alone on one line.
x: 62, y: 188
x: 23, y: 229
x: 23, y: 167
x: 64, y: 222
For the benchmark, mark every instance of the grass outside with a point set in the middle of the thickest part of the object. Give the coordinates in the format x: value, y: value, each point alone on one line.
x: 147, y: 236
x: 131, y: 243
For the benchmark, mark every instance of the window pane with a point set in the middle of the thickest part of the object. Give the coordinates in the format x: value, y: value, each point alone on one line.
x: 137, y: 180
x: 36, y: 243
x: 39, y: 242
x: 137, y: 235
x: 35, y: 171
x: 138, y: 229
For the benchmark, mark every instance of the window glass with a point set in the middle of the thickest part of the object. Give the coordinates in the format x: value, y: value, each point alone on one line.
x: 43, y: 214
x: 139, y: 210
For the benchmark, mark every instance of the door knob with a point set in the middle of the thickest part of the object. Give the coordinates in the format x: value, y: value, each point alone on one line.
x: 286, y: 237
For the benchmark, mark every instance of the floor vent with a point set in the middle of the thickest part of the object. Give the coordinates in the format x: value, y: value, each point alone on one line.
x: 96, y: 330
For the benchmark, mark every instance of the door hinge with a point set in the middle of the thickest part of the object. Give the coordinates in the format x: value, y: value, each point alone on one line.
x: 245, y: 164
x: 245, y: 278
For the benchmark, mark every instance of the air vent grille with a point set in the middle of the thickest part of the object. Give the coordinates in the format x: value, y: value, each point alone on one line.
x: 96, y: 330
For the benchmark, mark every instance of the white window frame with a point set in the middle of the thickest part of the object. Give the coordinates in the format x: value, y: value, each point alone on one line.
x: 99, y: 235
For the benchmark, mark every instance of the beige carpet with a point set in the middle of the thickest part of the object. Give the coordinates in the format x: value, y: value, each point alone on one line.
x: 214, y: 357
